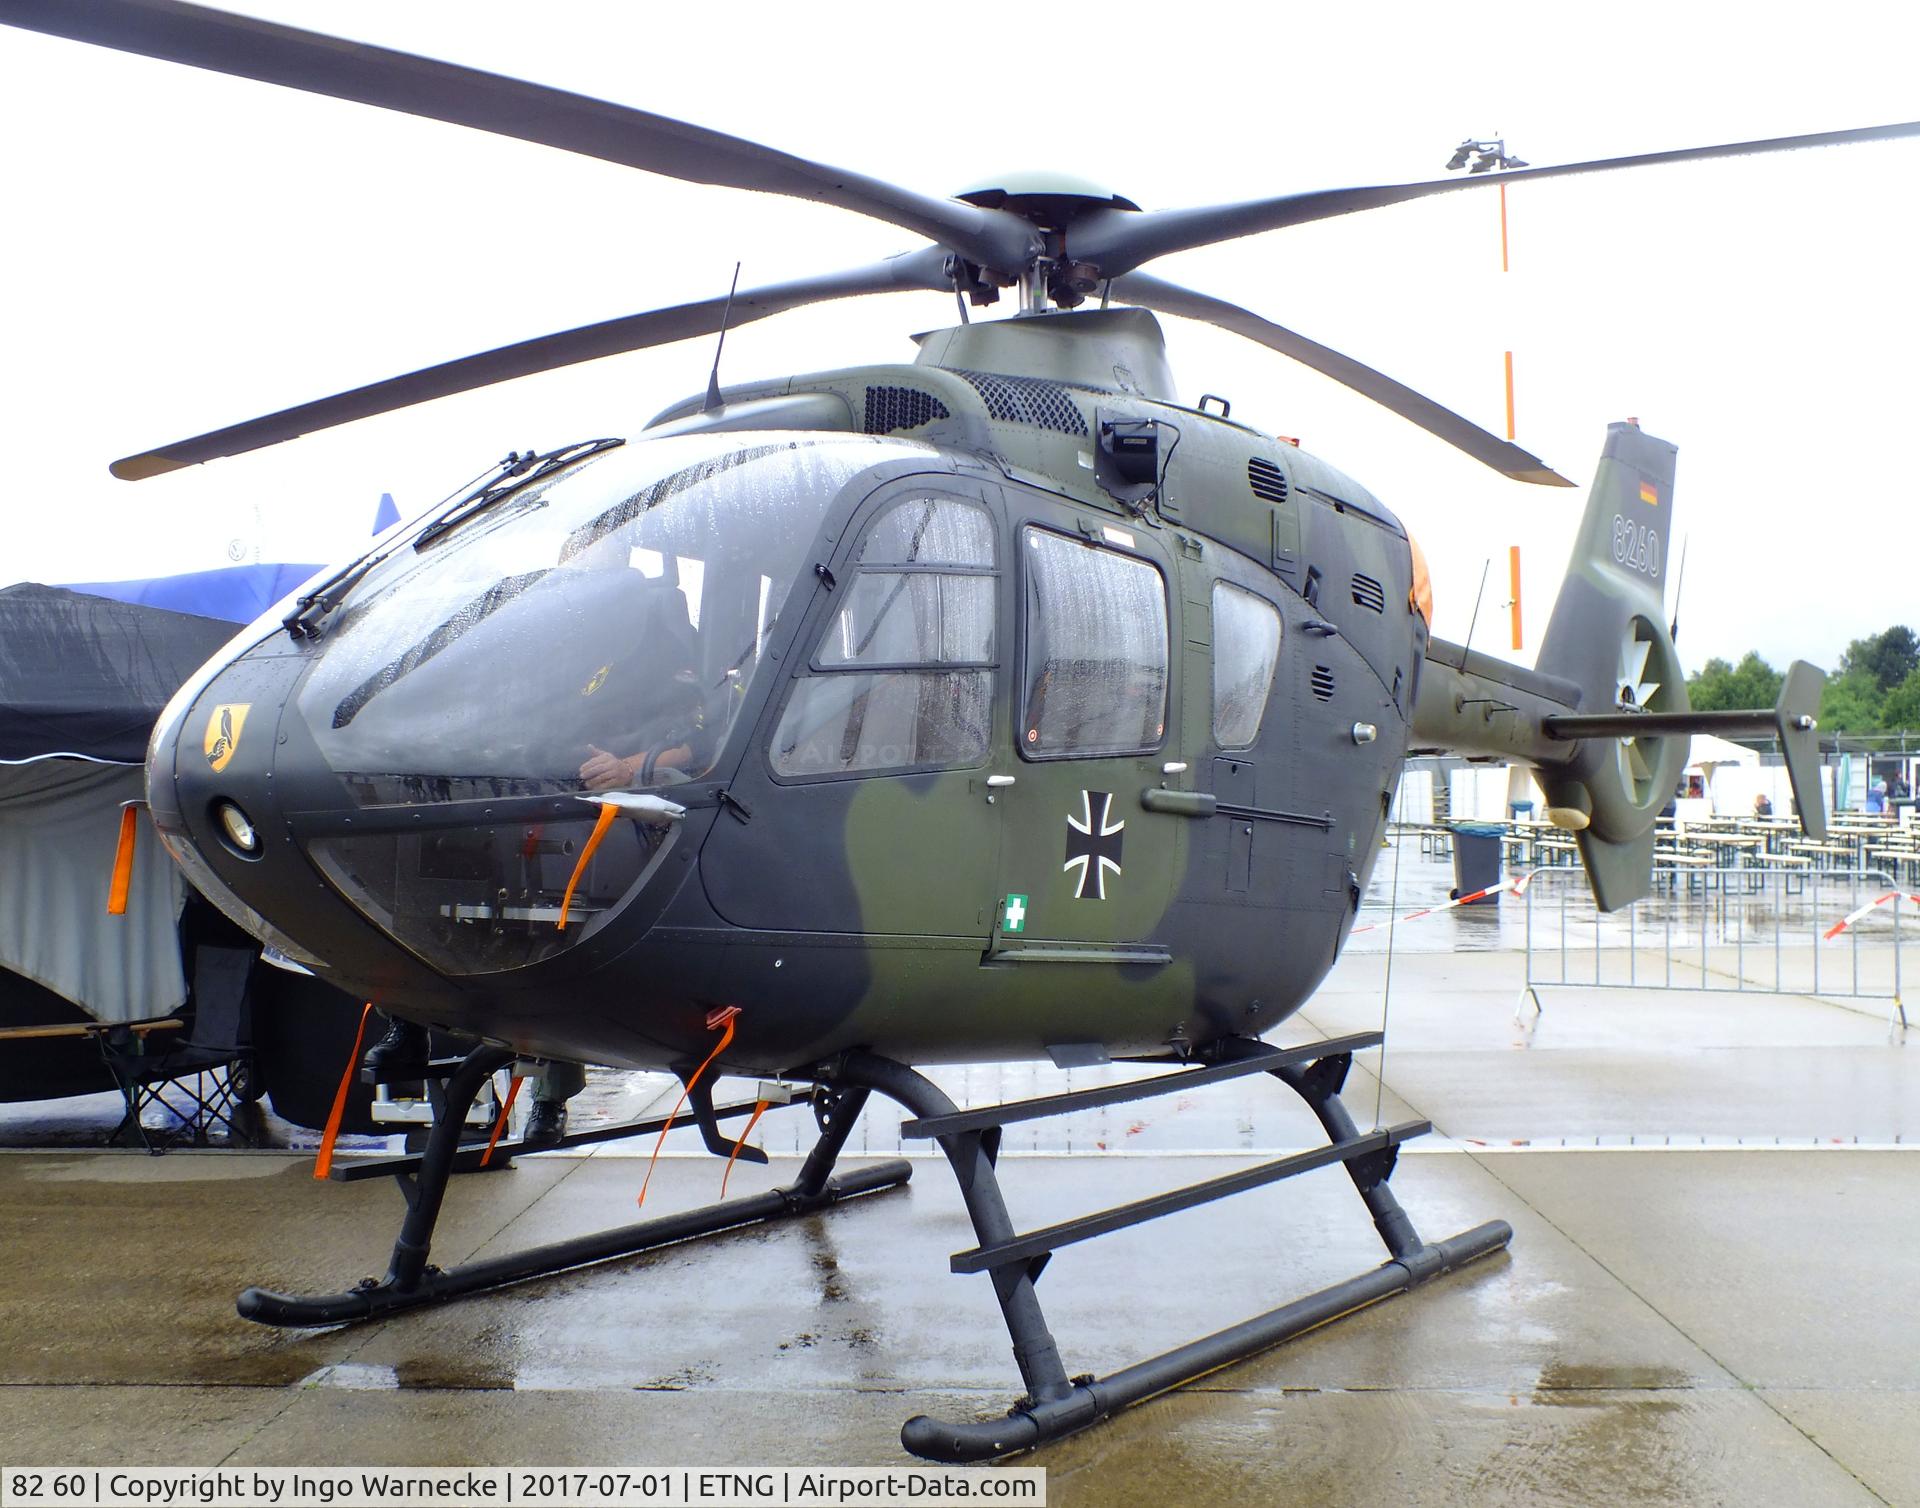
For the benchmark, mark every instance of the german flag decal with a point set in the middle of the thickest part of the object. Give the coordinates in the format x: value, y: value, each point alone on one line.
x: 1650, y: 494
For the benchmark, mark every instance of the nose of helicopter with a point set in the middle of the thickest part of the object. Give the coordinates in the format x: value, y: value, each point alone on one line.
x: 395, y: 892
x: 413, y: 788
x: 218, y: 793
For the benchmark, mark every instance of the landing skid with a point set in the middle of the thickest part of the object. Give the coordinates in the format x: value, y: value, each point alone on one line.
x: 1054, y: 1404
x: 411, y: 1281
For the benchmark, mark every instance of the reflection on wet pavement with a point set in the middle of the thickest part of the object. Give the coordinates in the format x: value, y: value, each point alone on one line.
x: 1669, y: 1327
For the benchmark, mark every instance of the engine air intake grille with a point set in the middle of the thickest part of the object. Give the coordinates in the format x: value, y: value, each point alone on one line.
x: 1267, y: 480
x: 1028, y: 400
x: 1369, y: 594
x: 1323, y: 683
x: 891, y: 408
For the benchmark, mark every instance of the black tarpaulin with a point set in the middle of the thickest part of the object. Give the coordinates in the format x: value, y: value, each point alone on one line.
x: 86, y: 676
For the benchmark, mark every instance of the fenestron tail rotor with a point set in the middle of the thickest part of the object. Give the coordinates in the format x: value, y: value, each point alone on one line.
x: 1603, y: 718
x: 1635, y: 693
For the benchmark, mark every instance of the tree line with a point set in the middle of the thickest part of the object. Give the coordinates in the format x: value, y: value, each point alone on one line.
x: 1874, y: 689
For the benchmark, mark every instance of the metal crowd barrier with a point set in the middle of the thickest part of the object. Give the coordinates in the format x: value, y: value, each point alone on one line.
x: 1702, y: 928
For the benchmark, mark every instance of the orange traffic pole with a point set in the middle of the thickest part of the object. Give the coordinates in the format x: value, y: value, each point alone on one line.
x: 1513, y: 581
x: 1505, y: 267
x: 123, y: 861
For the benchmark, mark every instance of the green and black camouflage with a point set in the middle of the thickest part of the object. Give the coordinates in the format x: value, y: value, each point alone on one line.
x: 1056, y: 885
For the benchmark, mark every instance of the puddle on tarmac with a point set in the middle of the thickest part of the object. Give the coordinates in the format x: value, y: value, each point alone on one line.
x: 1570, y: 1384
x: 1558, y: 1375
x: 468, y: 1372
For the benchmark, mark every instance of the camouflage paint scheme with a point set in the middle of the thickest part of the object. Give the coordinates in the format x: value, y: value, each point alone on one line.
x: 868, y: 910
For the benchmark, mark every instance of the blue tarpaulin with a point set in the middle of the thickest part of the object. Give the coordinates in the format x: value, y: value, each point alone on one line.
x: 235, y: 594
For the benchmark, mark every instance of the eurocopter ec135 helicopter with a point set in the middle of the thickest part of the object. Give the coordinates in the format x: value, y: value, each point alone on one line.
x: 992, y: 706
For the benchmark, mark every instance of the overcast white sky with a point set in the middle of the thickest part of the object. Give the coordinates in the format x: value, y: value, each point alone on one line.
x: 186, y: 250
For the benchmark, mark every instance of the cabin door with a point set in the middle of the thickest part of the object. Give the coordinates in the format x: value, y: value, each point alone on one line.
x: 871, y: 815
x: 1085, y: 870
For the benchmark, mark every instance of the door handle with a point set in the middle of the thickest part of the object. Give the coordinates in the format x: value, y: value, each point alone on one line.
x: 999, y: 782
x: 1180, y: 803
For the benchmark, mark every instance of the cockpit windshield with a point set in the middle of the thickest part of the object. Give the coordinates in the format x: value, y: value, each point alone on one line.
x: 599, y: 632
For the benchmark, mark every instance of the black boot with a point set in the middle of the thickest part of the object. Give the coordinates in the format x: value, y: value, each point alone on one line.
x: 546, y: 1124
x: 401, y: 1054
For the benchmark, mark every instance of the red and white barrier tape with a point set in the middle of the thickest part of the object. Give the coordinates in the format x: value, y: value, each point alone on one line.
x: 1518, y: 885
x: 1872, y: 906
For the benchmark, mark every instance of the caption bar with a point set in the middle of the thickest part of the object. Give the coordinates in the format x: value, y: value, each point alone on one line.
x: 519, y: 1486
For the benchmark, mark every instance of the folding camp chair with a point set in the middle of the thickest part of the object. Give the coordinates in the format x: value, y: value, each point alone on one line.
x: 204, y: 1077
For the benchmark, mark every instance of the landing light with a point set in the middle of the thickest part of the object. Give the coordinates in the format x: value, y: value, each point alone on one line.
x: 238, y: 829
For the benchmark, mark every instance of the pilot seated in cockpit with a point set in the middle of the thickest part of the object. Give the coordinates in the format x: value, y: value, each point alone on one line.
x: 675, y: 746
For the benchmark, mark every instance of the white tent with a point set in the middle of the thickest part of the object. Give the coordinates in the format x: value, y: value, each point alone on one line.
x: 1709, y: 752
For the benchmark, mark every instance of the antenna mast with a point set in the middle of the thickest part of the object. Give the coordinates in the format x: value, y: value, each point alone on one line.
x: 1679, y: 586
x: 714, y: 403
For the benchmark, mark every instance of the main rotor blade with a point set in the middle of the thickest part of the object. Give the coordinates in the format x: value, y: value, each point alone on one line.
x: 911, y: 270
x: 1117, y: 241
x: 1502, y: 455
x: 177, y: 32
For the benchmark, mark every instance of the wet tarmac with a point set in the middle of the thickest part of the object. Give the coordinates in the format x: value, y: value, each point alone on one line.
x: 1709, y: 1297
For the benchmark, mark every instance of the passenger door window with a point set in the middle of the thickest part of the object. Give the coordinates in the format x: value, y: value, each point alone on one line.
x: 1096, y: 650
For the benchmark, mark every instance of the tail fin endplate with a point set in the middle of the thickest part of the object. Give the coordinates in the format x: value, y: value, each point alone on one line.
x: 1608, y: 636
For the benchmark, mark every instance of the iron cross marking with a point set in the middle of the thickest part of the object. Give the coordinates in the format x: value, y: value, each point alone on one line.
x: 1093, y: 845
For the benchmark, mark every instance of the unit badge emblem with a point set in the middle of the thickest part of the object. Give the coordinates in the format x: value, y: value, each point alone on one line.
x: 223, y: 732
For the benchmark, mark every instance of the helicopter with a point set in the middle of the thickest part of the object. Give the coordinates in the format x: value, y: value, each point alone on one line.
x: 992, y: 706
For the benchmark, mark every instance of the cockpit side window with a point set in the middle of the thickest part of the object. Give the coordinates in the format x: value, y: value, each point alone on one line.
x: 903, y: 676
x: 1246, y: 646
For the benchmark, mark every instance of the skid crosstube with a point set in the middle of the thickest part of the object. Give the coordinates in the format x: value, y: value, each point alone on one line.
x: 471, y: 1157
x: 411, y: 1282
x: 1056, y: 1405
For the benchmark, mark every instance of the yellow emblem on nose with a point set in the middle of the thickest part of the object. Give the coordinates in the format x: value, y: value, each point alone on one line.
x: 599, y: 680
x: 223, y: 732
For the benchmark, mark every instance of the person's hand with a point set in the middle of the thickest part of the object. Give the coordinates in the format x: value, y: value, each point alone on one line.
x: 604, y: 771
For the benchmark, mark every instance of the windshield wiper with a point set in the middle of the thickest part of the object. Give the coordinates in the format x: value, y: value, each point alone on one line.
x: 310, y: 607
x: 531, y: 468
x: 515, y: 470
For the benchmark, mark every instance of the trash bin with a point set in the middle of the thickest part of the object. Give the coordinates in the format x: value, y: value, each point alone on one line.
x: 1476, y: 860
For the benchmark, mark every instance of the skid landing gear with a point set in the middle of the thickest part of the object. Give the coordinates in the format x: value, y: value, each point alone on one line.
x: 1056, y: 1405
x: 411, y: 1281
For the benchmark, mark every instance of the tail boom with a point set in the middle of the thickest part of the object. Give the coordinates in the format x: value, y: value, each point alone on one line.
x: 1604, y: 719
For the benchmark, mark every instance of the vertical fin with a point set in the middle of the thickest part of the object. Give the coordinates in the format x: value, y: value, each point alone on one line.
x: 1608, y: 635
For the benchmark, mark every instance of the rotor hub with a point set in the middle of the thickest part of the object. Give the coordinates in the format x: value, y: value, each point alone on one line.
x: 1051, y: 201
